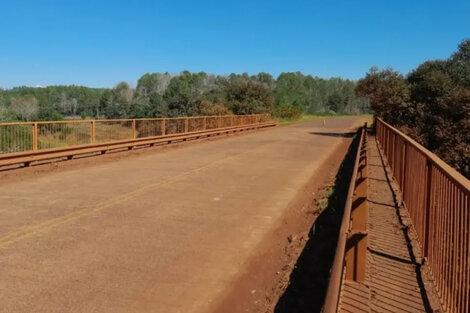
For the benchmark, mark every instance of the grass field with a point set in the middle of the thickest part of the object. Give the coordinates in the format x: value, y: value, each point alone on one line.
x: 369, y: 118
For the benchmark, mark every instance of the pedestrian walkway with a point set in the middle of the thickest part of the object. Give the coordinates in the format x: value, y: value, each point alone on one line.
x: 394, y: 282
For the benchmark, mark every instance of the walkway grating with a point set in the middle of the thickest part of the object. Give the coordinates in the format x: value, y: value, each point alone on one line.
x: 394, y: 282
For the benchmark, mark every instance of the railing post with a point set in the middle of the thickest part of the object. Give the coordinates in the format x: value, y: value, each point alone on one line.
x: 427, y: 210
x: 163, y: 127
x: 392, y: 154
x: 186, y: 122
x: 231, y: 120
x: 380, y: 128
x: 219, y: 122
x: 377, y: 131
x: 389, y: 141
x: 93, y: 132
x: 134, y: 134
x: 403, y: 174
x: 204, y: 124
x: 35, y: 136
x: 382, y: 135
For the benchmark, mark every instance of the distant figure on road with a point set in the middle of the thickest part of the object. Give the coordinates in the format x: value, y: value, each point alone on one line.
x: 324, y: 122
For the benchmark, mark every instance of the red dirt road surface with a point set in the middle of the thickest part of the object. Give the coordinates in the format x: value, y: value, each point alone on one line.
x: 165, y: 231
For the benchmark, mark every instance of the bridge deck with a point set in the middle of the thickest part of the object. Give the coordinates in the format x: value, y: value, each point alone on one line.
x: 394, y: 282
x: 164, y: 231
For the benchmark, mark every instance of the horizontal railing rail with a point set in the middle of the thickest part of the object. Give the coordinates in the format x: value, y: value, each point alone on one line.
x: 27, y: 158
x: 438, y: 200
x: 351, y: 263
x: 48, y: 135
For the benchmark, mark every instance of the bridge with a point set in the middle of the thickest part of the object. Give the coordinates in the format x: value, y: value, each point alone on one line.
x: 404, y: 244
x: 214, y: 213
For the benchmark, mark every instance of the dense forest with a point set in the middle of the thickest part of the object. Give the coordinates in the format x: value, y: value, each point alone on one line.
x: 186, y: 94
x: 431, y: 104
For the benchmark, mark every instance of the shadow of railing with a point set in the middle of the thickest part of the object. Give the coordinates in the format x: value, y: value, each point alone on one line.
x: 309, y: 279
x: 329, y: 134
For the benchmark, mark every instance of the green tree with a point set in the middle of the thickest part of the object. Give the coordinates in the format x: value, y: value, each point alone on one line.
x: 207, y: 107
x: 184, y: 92
x: 265, y: 78
x: 69, y: 100
x: 151, y: 83
x: 158, y: 106
x: 25, y: 108
x: 444, y: 109
x: 6, y: 114
x: 460, y: 64
x: 432, y: 104
x: 49, y: 113
x: 388, y: 93
x: 290, y: 91
x: 117, y: 102
x: 335, y: 102
x: 245, y: 96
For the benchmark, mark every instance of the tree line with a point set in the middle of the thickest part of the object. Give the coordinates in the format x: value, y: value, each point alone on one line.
x: 186, y: 94
x: 431, y: 104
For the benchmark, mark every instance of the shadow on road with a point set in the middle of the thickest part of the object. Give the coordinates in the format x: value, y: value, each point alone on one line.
x: 344, y: 135
x: 309, y: 279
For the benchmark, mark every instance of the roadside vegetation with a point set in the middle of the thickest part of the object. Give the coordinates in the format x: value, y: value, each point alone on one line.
x: 289, y: 96
x: 431, y: 104
x: 300, y: 118
x: 361, y: 118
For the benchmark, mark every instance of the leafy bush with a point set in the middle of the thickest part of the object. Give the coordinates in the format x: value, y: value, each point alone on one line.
x: 287, y: 111
x: 431, y: 104
x: 209, y: 108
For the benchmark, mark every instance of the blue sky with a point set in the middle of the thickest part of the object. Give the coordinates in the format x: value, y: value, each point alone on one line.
x: 99, y: 43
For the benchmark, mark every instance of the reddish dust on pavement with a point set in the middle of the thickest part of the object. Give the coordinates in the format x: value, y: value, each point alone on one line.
x: 169, y: 230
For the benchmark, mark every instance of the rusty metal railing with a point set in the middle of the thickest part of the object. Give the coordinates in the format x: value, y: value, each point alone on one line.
x: 30, y: 143
x: 438, y: 200
x: 350, y: 257
x: 34, y: 136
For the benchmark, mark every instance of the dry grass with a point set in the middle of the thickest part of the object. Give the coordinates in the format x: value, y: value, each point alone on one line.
x: 369, y: 118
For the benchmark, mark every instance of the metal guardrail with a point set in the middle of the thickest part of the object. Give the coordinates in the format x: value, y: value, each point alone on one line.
x: 438, y: 200
x: 34, y: 136
x: 350, y: 256
x: 104, y: 135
